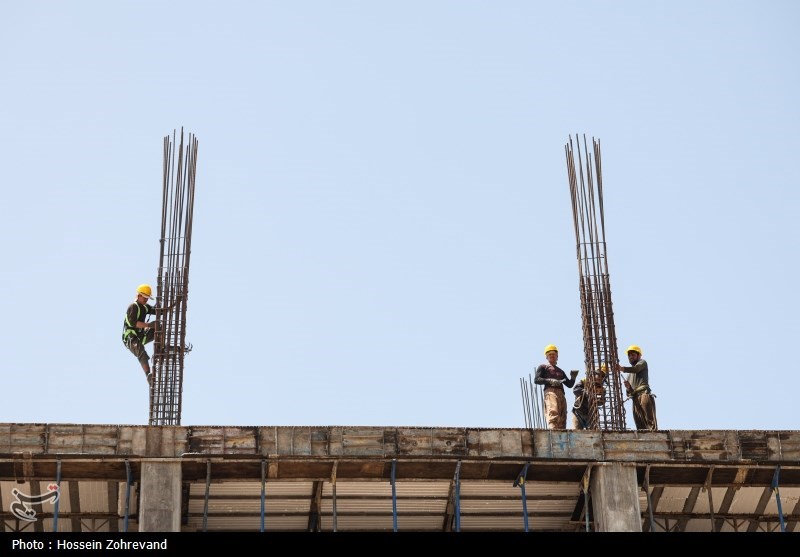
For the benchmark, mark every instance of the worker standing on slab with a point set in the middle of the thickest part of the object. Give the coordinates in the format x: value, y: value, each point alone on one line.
x: 553, y: 379
x: 583, y: 390
x: 137, y: 331
x: 637, y: 386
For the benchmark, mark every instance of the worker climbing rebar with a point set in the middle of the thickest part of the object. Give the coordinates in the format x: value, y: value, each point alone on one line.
x: 137, y: 331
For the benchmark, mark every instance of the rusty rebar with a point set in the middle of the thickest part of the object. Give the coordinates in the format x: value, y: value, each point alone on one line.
x: 606, y: 408
x: 177, y: 210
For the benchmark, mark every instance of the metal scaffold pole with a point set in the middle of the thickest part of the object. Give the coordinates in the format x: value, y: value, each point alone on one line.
x: 179, y: 171
x: 606, y: 408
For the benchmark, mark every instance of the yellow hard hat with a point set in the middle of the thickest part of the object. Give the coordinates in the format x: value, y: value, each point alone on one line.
x: 634, y: 348
x: 597, y: 375
x: 550, y: 348
x: 145, y: 290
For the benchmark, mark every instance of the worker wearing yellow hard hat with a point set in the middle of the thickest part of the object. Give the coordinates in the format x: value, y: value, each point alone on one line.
x: 554, y: 379
x: 137, y: 331
x: 637, y: 386
x: 145, y: 291
x: 589, y: 394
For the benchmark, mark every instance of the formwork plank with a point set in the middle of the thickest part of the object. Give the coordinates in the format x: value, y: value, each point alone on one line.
x: 222, y: 440
x: 363, y: 441
x: 482, y: 442
x: 206, y: 440
x: 291, y: 441
x: 753, y: 445
x: 641, y: 446
x: 239, y: 440
x: 511, y: 442
x: 82, y: 439
x: 705, y: 446
x: 783, y: 445
x: 294, y: 441
x: 23, y: 438
x: 433, y: 442
x: 587, y: 445
x: 552, y: 443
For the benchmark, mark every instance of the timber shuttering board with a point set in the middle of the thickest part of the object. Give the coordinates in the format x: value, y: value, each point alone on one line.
x: 233, y: 477
x: 636, y: 446
x: 707, y: 446
x: 788, y: 445
x: 23, y: 438
x: 715, y: 446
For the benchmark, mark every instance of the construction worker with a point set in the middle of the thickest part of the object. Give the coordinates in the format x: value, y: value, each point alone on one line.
x: 637, y: 386
x: 553, y: 379
x: 137, y: 331
x: 583, y: 391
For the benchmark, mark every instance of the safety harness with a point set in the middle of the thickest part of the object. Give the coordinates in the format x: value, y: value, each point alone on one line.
x: 130, y: 328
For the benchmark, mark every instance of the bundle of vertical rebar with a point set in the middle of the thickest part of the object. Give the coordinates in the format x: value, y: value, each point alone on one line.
x: 179, y: 171
x: 606, y: 408
x: 532, y: 403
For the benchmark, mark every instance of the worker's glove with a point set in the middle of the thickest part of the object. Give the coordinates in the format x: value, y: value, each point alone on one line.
x: 554, y: 382
x: 574, y: 373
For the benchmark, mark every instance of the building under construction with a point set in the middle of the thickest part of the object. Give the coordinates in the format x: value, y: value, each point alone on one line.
x: 169, y: 477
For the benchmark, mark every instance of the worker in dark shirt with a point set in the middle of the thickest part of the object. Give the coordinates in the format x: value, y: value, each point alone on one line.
x: 582, y: 408
x: 137, y: 331
x: 637, y: 386
x: 553, y: 379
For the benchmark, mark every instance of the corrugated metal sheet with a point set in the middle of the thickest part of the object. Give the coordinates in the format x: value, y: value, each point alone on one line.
x: 235, y: 488
x: 433, y: 488
x: 503, y: 506
x: 674, y: 499
x: 250, y: 506
x: 702, y: 505
x: 93, y: 497
x: 379, y: 506
x: 789, y: 501
x: 382, y: 524
x: 92, y: 525
x: 249, y: 523
x: 514, y: 524
x: 421, y: 506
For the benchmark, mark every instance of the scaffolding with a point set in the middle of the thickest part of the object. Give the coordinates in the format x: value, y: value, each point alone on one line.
x: 606, y: 401
x: 179, y: 170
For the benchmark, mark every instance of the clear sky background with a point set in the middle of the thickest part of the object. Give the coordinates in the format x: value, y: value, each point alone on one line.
x: 382, y: 226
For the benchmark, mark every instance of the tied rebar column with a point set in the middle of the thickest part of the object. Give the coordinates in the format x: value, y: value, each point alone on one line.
x: 606, y: 400
x: 170, y: 347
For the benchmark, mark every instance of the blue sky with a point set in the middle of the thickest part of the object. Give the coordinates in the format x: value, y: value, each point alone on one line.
x: 382, y: 229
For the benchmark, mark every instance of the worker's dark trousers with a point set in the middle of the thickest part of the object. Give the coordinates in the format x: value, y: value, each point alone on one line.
x: 136, y: 346
x: 644, y: 411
